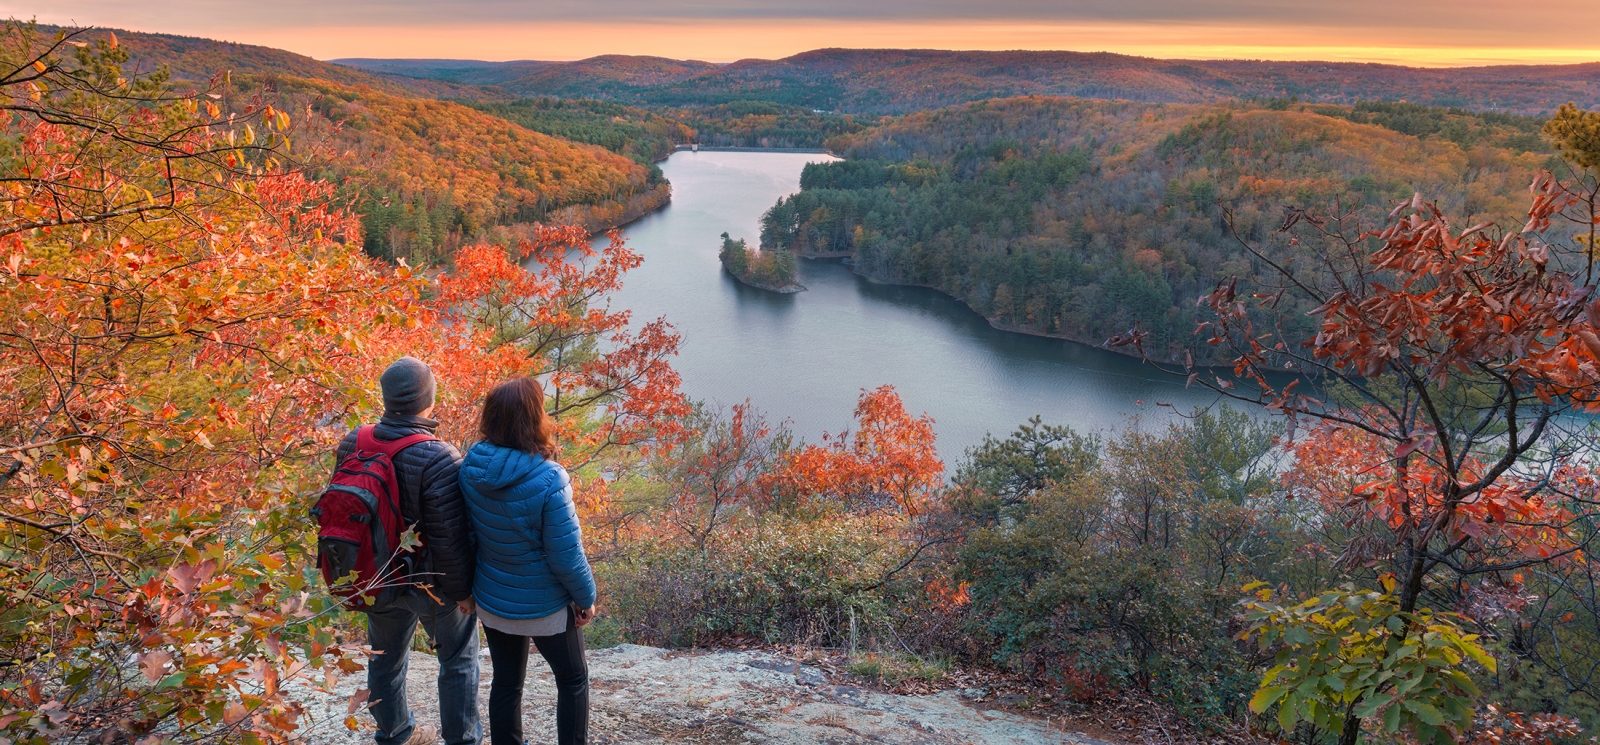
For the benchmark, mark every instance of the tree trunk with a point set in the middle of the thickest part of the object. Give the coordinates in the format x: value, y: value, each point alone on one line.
x: 1411, y: 582
x: 1352, y: 731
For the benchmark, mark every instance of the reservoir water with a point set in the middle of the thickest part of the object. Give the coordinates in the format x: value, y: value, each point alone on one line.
x: 805, y: 357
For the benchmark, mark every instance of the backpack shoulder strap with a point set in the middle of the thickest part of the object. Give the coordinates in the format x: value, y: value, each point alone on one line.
x: 365, y: 440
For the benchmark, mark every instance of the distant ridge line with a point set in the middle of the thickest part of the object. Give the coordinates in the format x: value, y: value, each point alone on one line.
x: 711, y: 149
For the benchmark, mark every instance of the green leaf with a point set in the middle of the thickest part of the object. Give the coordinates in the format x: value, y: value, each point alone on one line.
x: 1463, y: 682
x: 1266, y: 696
x: 1391, y: 719
x: 1372, y: 704
x: 1425, y: 712
x: 1406, y: 685
x: 1286, y: 715
x: 1478, y: 655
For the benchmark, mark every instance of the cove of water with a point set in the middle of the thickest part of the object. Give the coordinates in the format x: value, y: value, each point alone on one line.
x: 805, y: 357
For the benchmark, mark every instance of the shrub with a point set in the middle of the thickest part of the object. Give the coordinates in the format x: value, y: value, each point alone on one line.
x: 1124, y: 575
x: 786, y: 580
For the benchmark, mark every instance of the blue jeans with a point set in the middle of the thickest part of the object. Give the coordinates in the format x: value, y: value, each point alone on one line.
x: 455, y: 639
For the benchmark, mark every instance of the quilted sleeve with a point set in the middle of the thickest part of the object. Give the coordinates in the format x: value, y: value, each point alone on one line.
x: 346, y: 447
x: 563, y: 542
x: 446, y: 524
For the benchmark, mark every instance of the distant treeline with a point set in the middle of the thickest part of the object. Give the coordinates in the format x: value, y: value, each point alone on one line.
x: 767, y: 124
x: 650, y: 135
x: 642, y: 135
x: 1079, y: 218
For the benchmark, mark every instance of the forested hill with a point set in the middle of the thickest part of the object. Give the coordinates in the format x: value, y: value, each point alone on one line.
x: 430, y: 175
x: 531, y: 77
x: 194, y: 58
x: 893, y: 81
x: 1077, y: 218
x: 427, y: 175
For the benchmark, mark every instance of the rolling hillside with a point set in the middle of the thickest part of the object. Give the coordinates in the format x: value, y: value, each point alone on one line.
x: 426, y: 174
x: 893, y: 81
x: 432, y: 174
x: 193, y: 58
x: 1076, y: 218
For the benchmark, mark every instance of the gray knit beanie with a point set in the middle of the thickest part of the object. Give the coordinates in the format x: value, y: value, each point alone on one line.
x: 407, y: 387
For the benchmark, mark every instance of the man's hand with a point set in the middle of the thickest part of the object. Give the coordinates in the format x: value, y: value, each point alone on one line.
x: 582, y: 617
x: 468, y: 606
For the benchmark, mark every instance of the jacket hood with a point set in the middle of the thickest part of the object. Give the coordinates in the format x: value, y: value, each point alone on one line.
x: 494, y: 468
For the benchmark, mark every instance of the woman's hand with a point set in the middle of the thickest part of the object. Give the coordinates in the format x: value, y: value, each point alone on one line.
x: 582, y: 617
x: 468, y: 606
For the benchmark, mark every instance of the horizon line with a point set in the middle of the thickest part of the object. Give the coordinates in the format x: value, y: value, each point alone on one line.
x: 724, y: 63
x: 570, y: 42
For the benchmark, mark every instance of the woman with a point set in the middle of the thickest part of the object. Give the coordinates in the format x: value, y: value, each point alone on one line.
x: 533, y: 581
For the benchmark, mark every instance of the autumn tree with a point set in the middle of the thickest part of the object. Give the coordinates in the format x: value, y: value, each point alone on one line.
x: 187, y: 326
x: 889, y: 463
x: 178, y: 310
x: 1453, y: 366
x: 715, y: 477
x: 541, y: 310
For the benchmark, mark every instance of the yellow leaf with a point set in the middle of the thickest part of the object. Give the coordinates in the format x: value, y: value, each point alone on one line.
x: 39, y: 65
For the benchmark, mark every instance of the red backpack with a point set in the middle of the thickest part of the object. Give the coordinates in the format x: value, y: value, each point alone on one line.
x: 359, y: 523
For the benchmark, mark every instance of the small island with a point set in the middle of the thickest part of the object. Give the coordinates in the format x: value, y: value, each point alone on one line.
x: 773, y: 271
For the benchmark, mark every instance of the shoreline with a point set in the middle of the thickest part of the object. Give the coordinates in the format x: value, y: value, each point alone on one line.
x: 731, y: 149
x: 791, y: 289
x: 998, y: 325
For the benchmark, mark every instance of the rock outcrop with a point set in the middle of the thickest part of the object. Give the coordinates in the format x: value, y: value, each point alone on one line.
x: 648, y: 695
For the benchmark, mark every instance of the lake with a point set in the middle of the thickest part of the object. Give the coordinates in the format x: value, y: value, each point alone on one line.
x: 805, y: 357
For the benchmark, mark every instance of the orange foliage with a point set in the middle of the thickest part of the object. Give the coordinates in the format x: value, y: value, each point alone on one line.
x: 1412, y: 496
x: 254, y: 293
x: 186, y: 324
x: 1456, y: 356
x: 540, y: 319
x: 889, y: 462
x: 495, y: 171
x: 168, y: 361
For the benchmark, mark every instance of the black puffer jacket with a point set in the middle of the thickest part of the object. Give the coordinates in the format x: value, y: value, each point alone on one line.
x: 430, y: 495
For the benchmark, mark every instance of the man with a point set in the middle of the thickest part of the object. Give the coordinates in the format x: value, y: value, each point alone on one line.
x: 430, y: 498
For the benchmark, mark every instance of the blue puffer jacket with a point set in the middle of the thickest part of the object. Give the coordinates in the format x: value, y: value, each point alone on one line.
x: 530, y: 549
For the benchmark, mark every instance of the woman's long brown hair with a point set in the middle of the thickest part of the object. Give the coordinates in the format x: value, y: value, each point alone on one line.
x: 514, y: 417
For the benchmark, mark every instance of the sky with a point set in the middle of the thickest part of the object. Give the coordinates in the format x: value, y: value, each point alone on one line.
x: 1417, y: 32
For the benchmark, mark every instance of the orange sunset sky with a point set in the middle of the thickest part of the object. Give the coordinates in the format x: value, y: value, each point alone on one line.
x: 1422, y: 32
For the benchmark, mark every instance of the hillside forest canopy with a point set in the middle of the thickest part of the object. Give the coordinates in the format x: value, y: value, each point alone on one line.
x: 193, y: 310
x: 1078, y: 218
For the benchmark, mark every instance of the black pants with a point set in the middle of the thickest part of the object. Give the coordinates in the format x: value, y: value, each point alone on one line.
x: 564, y: 652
